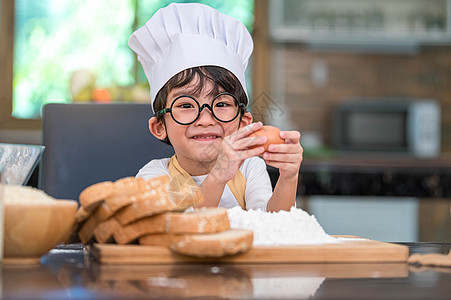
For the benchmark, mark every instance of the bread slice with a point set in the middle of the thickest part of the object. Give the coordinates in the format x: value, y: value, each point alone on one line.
x: 124, y: 189
x: 156, y: 239
x: 86, y: 229
x: 129, y: 233
x: 91, y: 196
x: 203, y: 220
x: 104, y: 231
x: 81, y: 215
x: 228, y: 242
x: 156, y: 198
x: 103, y: 212
x: 129, y: 185
x: 145, y: 204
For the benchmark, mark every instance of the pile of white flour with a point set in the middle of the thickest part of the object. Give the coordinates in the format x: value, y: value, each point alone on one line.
x: 19, y: 194
x: 294, y: 227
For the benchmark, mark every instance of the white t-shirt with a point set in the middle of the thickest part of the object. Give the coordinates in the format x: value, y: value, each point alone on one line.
x: 258, y: 184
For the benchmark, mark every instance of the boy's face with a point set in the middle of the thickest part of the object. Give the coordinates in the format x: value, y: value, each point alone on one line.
x: 201, y: 140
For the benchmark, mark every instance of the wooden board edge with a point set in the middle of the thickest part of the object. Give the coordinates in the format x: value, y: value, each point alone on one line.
x: 350, y: 253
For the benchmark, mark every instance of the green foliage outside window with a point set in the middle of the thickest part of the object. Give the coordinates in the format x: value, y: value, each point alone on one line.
x: 56, y: 39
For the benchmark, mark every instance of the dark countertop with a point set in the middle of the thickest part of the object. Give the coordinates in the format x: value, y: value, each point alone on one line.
x: 67, y: 272
x: 360, y: 174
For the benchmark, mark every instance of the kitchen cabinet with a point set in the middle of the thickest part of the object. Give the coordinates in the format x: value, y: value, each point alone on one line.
x: 395, y: 23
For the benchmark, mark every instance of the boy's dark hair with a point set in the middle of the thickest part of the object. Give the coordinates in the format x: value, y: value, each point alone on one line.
x: 221, y: 78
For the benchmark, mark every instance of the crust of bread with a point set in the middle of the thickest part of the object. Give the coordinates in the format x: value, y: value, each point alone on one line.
x: 154, y: 198
x: 104, y: 231
x: 128, y: 185
x: 129, y: 233
x: 81, y: 214
x: 156, y: 239
x: 228, y: 242
x: 203, y: 220
x: 145, y: 204
x: 91, y: 196
x: 124, y: 189
x: 86, y: 230
x: 103, y: 212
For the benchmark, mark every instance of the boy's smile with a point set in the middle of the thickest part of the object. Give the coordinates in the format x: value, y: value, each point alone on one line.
x: 205, y: 137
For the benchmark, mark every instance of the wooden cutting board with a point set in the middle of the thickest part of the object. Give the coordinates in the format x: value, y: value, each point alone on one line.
x: 349, y: 251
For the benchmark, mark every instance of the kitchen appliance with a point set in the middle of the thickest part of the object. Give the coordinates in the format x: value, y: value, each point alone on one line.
x: 405, y: 126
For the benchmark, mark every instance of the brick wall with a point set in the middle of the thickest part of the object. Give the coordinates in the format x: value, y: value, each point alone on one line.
x: 350, y: 75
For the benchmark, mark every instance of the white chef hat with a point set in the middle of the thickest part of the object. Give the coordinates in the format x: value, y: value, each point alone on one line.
x: 182, y: 36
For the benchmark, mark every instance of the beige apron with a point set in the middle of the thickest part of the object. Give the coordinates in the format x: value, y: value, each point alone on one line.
x: 237, y: 185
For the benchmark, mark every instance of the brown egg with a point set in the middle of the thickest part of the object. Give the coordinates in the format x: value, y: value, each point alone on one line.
x: 271, y: 132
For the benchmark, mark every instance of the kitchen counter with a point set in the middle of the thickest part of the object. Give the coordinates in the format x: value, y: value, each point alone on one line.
x: 68, y: 272
x: 361, y: 174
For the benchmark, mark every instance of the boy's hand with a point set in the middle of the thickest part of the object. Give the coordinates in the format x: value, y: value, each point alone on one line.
x: 286, y: 157
x: 234, y: 150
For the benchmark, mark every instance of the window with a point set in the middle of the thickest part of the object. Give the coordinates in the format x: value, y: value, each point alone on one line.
x: 72, y: 50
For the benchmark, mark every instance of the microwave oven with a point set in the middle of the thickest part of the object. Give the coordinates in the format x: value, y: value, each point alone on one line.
x: 388, y: 125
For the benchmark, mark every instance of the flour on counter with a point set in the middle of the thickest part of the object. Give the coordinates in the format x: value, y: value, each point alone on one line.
x: 294, y: 227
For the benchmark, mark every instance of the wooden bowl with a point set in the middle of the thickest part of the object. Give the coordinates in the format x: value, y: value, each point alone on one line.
x: 31, y: 230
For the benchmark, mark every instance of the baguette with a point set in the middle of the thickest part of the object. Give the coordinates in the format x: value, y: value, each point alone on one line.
x: 228, y: 242
x: 203, y: 220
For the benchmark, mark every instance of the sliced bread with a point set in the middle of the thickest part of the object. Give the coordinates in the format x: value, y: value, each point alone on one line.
x: 103, y: 212
x: 124, y: 189
x: 228, y: 242
x: 129, y: 233
x: 104, y: 231
x: 81, y: 215
x: 145, y: 204
x: 156, y: 239
x: 86, y: 230
x: 91, y: 196
x: 203, y: 220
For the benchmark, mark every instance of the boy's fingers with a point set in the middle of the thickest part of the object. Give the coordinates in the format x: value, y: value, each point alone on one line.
x: 281, y: 157
x: 246, y: 130
x: 290, y: 137
x: 248, y: 142
x: 285, y: 148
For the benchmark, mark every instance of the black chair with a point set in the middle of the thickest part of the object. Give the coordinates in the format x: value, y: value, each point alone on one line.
x: 90, y: 143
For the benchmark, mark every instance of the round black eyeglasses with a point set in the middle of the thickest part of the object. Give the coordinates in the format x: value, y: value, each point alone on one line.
x: 185, y: 109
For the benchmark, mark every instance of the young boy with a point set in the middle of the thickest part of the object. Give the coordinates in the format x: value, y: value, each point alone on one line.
x: 194, y: 58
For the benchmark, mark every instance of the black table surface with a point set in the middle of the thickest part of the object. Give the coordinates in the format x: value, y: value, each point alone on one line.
x: 68, y: 272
